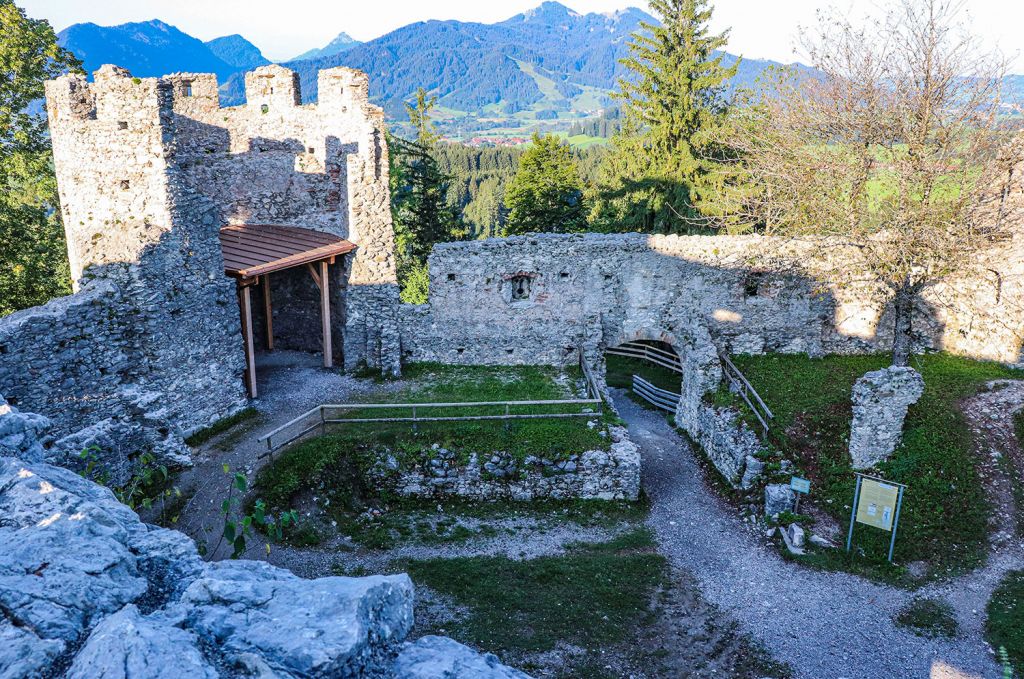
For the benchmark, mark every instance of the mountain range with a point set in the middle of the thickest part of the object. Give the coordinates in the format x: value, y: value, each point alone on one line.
x: 546, y: 64
x: 341, y: 43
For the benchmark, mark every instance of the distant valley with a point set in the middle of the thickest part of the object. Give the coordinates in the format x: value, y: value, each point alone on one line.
x: 547, y: 69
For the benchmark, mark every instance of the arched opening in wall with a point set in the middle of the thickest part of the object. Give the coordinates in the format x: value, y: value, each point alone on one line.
x: 650, y: 369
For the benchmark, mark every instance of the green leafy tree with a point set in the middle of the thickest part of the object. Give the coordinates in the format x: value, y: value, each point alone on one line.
x: 546, y: 193
x: 33, y: 261
x: 659, y: 176
x: 419, y: 199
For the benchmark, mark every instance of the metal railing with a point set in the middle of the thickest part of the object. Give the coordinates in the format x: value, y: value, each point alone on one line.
x: 745, y: 389
x: 331, y: 414
x: 659, y: 398
x: 666, y: 359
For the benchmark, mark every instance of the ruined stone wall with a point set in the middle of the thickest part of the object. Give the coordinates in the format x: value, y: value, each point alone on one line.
x: 542, y: 298
x: 751, y: 295
x: 321, y: 167
x: 602, y: 474
x: 149, y: 349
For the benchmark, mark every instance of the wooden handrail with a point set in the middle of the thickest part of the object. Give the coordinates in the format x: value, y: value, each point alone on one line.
x: 323, y: 420
x: 746, y: 391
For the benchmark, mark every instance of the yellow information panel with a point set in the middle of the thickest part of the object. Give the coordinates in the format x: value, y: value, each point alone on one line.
x: 877, y: 504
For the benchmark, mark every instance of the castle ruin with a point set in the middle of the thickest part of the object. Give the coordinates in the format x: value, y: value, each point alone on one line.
x: 152, y: 346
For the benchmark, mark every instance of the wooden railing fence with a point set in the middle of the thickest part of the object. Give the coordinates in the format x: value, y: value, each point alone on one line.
x: 332, y: 414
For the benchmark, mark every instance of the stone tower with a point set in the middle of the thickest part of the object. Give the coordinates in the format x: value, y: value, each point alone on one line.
x: 150, y: 169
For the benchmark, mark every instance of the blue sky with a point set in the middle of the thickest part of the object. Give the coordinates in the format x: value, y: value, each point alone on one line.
x: 284, y: 28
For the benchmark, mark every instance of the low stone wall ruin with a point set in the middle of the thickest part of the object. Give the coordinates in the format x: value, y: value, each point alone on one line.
x: 612, y: 474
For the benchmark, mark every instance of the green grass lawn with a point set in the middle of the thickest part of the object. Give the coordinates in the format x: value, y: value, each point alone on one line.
x: 945, y: 513
x: 929, y: 618
x: 334, y: 466
x: 1005, y: 625
x: 595, y: 595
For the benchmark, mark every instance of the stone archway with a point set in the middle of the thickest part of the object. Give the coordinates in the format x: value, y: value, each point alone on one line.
x: 698, y: 358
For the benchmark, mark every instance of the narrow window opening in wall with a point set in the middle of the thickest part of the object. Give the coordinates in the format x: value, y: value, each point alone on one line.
x: 607, y: 276
x: 509, y: 351
x: 125, y: 185
x: 752, y: 284
x: 521, y: 287
x: 451, y: 277
x: 122, y: 124
x: 3, y: 348
x: 460, y: 350
x: 311, y: 150
x: 264, y: 108
x: 564, y: 274
x: 186, y: 88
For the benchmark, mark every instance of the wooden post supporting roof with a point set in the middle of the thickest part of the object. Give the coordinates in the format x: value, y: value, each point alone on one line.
x: 325, y: 313
x: 268, y: 311
x: 245, y: 302
x: 253, y: 251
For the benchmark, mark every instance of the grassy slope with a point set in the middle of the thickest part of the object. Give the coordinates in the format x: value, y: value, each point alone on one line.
x: 337, y: 460
x: 945, y: 512
x: 592, y: 596
x: 1005, y: 625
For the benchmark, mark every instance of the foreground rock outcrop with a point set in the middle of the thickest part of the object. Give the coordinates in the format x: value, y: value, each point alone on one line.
x: 88, y: 590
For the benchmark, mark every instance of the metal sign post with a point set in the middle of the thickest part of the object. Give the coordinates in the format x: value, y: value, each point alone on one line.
x: 877, y: 503
x: 800, y: 487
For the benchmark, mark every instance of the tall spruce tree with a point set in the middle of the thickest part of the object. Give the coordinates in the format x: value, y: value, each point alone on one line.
x: 658, y: 177
x: 419, y: 199
x: 546, y: 194
x: 33, y: 260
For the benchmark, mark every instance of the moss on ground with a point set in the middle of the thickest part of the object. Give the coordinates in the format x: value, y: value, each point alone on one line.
x: 945, y: 513
x: 203, y: 435
x: 592, y: 596
x: 1004, y: 627
x: 929, y: 618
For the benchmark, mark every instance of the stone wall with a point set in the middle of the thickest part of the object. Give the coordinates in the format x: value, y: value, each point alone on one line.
x: 149, y: 348
x: 881, y: 399
x: 542, y: 298
x: 752, y: 294
x: 612, y: 474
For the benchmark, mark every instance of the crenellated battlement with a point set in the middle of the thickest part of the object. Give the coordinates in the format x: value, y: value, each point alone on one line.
x: 115, y: 96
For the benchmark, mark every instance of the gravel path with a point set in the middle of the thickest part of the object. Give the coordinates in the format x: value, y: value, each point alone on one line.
x: 821, y: 624
x: 526, y: 541
x: 290, y: 383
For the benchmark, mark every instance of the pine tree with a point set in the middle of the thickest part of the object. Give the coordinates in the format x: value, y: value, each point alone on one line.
x: 546, y: 193
x: 419, y: 199
x: 658, y: 177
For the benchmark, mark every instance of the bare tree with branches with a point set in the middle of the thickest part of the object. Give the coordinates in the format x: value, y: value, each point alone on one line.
x: 894, y: 149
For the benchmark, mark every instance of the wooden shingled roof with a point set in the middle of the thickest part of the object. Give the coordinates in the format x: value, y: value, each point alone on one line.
x: 252, y: 250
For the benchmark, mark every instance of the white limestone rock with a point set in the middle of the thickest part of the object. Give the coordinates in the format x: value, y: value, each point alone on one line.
x: 751, y: 472
x: 66, y: 560
x: 433, y: 657
x: 20, y: 433
x: 23, y: 654
x: 336, y: 626
x: 778, y: 498
x: 127, y: 645
x: 880, y: 402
